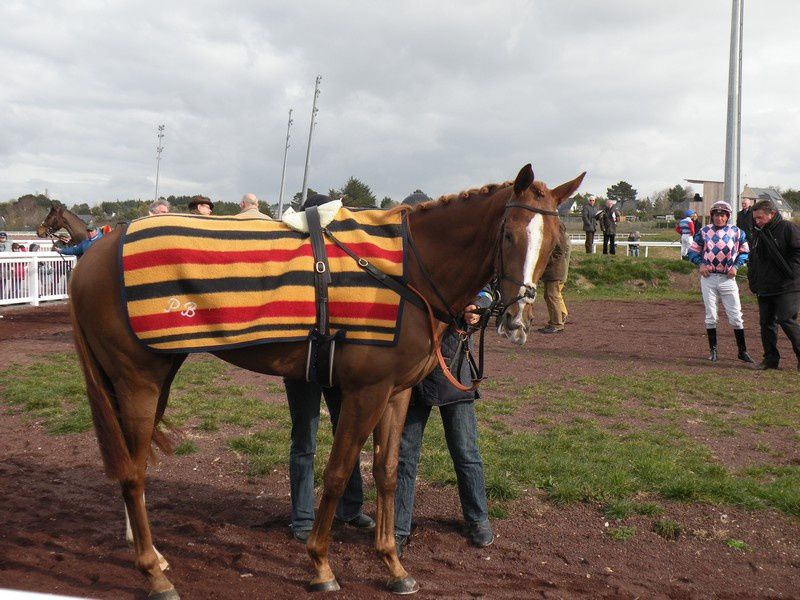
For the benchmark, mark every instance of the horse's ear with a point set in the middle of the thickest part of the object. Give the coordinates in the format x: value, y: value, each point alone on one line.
x: 565, y: 190
x: 524, y: 179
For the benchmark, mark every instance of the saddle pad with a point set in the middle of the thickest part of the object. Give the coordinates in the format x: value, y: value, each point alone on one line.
x: 198, y: 284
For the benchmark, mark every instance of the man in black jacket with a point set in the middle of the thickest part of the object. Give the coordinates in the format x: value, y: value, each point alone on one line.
x: 774, y: 276
x: 744, y: 218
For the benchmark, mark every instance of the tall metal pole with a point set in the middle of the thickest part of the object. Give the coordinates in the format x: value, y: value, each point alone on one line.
x: 283, y: 175
x: 733, y: 130
x: 159, y: 149
x: 310, y: 134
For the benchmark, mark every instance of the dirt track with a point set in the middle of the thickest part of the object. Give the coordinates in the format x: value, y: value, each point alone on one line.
x: 61, y: 526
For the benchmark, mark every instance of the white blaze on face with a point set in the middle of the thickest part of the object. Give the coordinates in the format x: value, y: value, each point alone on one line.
x: 535, y: 234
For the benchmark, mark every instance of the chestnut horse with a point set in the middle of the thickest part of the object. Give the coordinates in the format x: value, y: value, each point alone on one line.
x: 59, y: 217
x: 502, y: 232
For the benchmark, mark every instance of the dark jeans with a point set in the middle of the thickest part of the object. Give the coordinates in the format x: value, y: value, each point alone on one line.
x: 609, y: 243
x: 304, y: 401
x: 589, y: 244
x: 461, y: 433
x: 778, y: 310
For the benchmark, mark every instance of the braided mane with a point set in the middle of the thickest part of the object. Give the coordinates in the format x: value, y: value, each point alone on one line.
x: 488, y: 189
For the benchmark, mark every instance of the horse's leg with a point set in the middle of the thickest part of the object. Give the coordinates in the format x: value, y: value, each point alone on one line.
x: 138, y: 407
x: 162, y: 562
x: 386, y: 440
x: 360, y: 412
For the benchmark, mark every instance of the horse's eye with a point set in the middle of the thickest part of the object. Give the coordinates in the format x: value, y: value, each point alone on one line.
x: 508, y: 237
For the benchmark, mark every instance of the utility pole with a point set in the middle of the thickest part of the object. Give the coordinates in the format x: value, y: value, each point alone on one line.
x: 310, y: 134
x: 283, y: 175
x: 159, y: 149
x: 734, y: 127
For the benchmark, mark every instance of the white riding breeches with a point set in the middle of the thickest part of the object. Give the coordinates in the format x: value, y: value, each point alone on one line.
x: 686, y: 241
x: 719, y: 286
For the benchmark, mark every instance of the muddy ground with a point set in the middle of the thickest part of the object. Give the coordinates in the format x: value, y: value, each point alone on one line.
x: 226, y: 534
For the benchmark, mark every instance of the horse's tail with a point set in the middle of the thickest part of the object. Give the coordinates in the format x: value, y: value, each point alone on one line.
x: 113, y: 448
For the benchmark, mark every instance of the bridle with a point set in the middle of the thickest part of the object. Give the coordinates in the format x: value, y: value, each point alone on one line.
x: 499, y: 307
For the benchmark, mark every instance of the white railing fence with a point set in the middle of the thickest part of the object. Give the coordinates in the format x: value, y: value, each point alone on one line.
x: 33, y: 277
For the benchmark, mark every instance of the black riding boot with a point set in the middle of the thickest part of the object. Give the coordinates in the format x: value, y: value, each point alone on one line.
x: 740, y: 343
x: 712, y: 344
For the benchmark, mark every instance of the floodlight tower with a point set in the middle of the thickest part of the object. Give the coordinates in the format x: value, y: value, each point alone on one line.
x: 314, y: 112
x: 283, y: 175
x: 159, y: 149
x: 733, y: 145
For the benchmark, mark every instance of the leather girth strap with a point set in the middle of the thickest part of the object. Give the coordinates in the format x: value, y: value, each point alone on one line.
x: 321, y: 345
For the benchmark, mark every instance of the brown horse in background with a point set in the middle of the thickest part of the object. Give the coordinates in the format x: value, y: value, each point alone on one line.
x: 503, y: 231
x: 58, y: 218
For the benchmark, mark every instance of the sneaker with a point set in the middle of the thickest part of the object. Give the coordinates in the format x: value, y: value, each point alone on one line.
x: 400, y: 542
x: 301, y: 535
x: 550, y: 329
x: 360, y: 521
x: 480, y: 535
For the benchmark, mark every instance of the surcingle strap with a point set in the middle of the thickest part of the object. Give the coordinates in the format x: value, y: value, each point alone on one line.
x: 321, y: 344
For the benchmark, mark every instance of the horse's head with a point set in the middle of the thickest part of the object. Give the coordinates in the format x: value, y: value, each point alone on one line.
x: 52, y: 222
x: 529, y: 232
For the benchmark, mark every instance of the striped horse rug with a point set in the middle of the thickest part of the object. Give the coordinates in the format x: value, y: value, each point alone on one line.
x: 197, y: 283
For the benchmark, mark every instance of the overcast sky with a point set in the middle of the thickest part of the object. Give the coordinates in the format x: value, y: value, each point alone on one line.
x: 432, y: 95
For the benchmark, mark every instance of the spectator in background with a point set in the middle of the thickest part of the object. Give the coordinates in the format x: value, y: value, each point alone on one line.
x: 720, y: 250
x: 744, y: 219
x: 249, y: 208
x: 588, y: 214
x: 79, y: 249
x: 159, y: 207
x: 5, y: 245
x: 633, y: 242
x: 686, y: 229
x: 774, y: 277
x: 609, y: 217
x: 200, y: 205
x: 554, y: 277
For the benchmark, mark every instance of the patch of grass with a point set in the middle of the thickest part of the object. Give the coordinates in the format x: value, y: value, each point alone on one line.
x: 186, y: 447
x: 621, y: 533
x: 51, y: 391
x: 738, y: 545
x: 497, y: 511
x: 606, y: 277
x: 668, y: 529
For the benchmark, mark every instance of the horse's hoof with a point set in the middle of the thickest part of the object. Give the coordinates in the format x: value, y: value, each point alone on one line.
x: 167, y: 595
x: 403, y: 586
x: 324, y: 586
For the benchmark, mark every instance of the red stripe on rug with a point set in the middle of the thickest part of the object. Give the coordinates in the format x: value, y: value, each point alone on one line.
x: 177, y: 256
x: 244, y: 314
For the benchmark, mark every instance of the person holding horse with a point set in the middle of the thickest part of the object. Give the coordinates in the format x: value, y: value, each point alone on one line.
x: 457, y: 410
x: 720, y: 250
x: 80, y: 248
x: 304, y: 402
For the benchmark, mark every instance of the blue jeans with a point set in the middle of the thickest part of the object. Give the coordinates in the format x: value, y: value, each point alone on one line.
x: 461, y: 432
x: 304, y: 398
